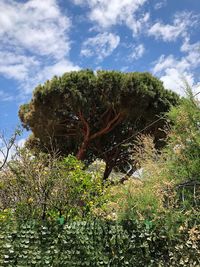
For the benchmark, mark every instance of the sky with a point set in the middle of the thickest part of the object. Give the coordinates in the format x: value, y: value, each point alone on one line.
x: 40, y: 39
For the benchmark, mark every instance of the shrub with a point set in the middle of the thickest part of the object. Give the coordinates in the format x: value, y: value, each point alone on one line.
x: 42, y: 186
x: 170, y: 178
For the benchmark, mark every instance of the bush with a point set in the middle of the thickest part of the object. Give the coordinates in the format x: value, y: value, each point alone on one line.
x: 43, y: 187
x: 170, y: 178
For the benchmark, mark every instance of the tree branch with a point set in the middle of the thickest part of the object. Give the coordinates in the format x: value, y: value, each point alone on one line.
x: 7, y: 145
x: 112, y: 124
x: 85, y: 124
x: 86, y: 139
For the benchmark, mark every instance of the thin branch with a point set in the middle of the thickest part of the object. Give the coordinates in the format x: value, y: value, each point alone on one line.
x: 105, y: 113
x: 7, y: 145
x: 133, y: 135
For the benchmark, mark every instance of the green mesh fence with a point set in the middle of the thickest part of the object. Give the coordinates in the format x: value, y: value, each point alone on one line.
x: 94, y: 243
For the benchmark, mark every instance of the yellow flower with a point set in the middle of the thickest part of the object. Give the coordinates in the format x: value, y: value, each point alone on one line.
x: 181, y: 228
x: 30, y: 200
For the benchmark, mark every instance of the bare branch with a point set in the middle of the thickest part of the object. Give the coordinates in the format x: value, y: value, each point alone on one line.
x: 6, y: 146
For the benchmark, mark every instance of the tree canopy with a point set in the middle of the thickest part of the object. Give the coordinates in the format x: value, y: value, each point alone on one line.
x: 94, y: 115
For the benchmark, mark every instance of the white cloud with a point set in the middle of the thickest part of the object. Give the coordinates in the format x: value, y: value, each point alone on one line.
x: 59, y: 68
x: 179, y: 27
x: 193, y: 52
x: 102, y: 45
x: 51, y: 70
x: 35, y: 42
x: 16, y: 66
x: 170, y: 61
x: 5, y: 97
x: 186, y: 63
x: 175, y: 71
x: 33, y: 34
x: 138, y: 24
x: 138, y: 52
x: 46, y: 73
x: 37, y: 26
x: 175, y: 80
x: 160, y: 5
x: 187, y: 47
x: 29, y: 71
x: 109, y: 13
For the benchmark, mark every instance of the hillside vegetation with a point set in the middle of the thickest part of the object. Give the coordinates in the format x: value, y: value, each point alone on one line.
x: 58, y: 210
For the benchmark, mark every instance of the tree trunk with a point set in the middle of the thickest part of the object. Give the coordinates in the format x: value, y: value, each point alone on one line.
x: 88, y: 137
x: 107, y: 171
x: 81, y: 152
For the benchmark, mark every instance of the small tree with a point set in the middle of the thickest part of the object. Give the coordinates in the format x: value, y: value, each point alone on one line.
x: 92, y: 115
x: 6, y: 146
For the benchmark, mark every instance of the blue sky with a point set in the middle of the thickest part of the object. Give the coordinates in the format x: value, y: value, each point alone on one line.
x: 40, y: 39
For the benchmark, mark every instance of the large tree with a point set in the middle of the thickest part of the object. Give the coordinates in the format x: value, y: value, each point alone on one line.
x: 93, y: 114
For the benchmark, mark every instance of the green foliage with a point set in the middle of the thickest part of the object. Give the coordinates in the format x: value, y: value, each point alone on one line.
x: 55, y: 211
x: 184, y: 141
x: 48, y: 188
x: 97, y: 243
x: 88, y: 114
x: 170, y: 178
x: 142, y: 197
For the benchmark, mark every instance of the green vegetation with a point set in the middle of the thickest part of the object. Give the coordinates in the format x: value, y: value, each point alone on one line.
x: 170, y: 182
x: 43, y: 187
x: 91, y: 115
x: 97, y: 243
x: 59, y: 211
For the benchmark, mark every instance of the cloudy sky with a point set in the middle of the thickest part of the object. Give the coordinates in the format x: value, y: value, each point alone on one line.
x: 40, y: 39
